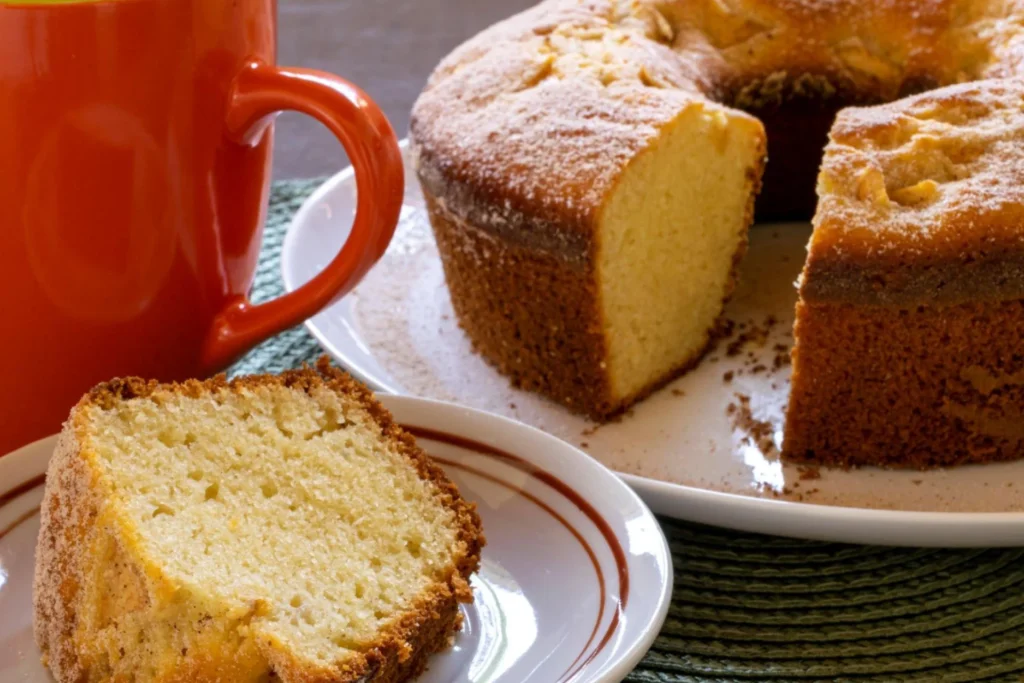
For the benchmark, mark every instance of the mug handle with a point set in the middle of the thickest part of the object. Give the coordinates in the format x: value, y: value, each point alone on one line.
x: 259, y: 92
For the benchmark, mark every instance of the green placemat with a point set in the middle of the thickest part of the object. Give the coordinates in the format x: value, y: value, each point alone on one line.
x: 757, y: 608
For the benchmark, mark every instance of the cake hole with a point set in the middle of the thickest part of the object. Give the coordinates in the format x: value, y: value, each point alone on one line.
x: 647, y: 81
x: 415, y: 547
x: 335, y: 421
x: 543, y: 72
x: 162, y: 509
x: 269, y: 489
x: 360, y: 591
x: 343, y: 642
x: 195, y: 475
x: 296, y: 601
x: 375, y: 563
x: 212, y: 491
x: 190, y: 439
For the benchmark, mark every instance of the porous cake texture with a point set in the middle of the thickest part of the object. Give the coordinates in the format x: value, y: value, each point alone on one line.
x: 910, y: 323
x: 269, y: 528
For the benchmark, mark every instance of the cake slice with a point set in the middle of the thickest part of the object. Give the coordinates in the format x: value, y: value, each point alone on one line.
x: 269, y: 528
x: 909, y: 327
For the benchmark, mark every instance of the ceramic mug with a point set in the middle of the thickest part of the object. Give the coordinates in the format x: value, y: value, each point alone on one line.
x: 135, y: 140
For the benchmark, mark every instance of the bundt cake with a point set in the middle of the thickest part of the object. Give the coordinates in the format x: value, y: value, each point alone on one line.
x: 910, y: 323
x: 590, y: 166
x: 275, y: 528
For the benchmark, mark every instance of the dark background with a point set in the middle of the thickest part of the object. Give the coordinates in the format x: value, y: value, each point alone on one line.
x: 387, y: 47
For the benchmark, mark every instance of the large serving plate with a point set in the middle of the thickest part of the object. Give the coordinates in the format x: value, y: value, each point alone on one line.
x: 575, y: 580
x: 704, y: 448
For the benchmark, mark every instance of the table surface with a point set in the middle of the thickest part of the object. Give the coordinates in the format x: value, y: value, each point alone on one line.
x: 387, y: 47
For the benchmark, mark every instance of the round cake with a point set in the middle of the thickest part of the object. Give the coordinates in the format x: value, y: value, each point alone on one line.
x: 590, y: 166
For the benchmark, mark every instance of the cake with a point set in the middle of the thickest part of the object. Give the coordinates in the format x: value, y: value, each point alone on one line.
x: 590, y: 167
x: 910, y: 321
x: 271, y: 528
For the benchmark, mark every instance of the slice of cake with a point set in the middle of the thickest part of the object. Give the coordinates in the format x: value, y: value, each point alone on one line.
x: 909, y: 329
x: 269, y: 528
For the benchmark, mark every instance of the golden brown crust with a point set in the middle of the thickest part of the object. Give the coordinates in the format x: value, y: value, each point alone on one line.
x: 926, y: 387
x: 527, y: 311
x: 67, y: 517
x: 72, y: 521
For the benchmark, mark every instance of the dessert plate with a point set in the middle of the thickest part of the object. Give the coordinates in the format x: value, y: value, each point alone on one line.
x: 575, y: 580
x: 704, y: 448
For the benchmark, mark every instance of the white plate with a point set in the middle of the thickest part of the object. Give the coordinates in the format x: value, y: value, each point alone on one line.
x: 682, y: 449
x: 575, y: 581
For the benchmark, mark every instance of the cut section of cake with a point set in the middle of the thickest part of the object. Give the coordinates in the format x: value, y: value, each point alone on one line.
x: 269, y: 528
x: 602, y: 273
x: 909, y: 328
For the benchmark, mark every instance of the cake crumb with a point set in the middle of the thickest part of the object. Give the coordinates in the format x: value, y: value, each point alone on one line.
x: 584, y: 444
x: 808, y: 472
x: 757, y: 335
x: 727, y: 377
x: 678, y: 392
x: 756, y: 432
x: 917, y: 482
x: 512, y: 406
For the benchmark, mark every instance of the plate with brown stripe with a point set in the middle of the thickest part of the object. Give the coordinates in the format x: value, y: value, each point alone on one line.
x: 575, y: 580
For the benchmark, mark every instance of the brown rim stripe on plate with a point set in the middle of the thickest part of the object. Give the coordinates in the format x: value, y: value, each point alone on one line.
x: 8, y: 496
x: 18, y: 522
x: 575, y: 498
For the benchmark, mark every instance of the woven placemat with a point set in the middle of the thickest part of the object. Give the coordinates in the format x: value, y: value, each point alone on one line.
x: 756, y: 608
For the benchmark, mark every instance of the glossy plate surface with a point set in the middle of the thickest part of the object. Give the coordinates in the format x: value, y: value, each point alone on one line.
x: 575, y: 581
x: 704, y: 448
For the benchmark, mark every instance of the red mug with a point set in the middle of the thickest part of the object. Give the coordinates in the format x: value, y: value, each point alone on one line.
x: 135, y: 140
